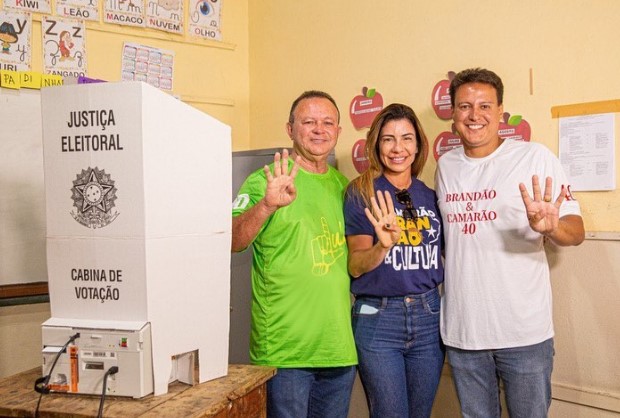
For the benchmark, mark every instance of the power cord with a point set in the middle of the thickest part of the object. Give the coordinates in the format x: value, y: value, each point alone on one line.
x: 41, y: 384
x: 112, y: 370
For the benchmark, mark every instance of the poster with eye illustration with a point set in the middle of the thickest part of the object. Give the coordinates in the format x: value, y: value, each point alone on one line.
x: 64, y: 45
x: 204, y: 19
x: 15, y: 33
x: 78, y: 9
x: 165, y: 15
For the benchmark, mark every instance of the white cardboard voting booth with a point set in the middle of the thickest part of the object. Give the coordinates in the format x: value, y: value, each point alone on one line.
x: 138, y: 236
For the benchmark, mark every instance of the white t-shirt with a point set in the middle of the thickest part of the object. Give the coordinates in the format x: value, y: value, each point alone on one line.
x: 497, y: 289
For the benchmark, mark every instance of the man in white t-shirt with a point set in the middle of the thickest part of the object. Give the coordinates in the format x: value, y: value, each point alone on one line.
x: 500, y: 201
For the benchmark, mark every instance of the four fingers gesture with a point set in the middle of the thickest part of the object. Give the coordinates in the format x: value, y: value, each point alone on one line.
x: 542, y: 214
x: 281, y: 189
x: 383, y: 218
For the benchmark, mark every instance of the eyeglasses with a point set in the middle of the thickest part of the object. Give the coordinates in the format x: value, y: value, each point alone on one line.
x: 404, y: 198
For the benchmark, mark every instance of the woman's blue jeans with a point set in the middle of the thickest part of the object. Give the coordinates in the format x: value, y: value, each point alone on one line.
x: 400, y: 353
x: 310, y: 392
x: 524, y: 371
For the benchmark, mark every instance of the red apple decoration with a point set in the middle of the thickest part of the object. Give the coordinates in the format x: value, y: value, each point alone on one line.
x: 358, y: 156
x: 441, y: 98
x: 514, y: 127
x: 365, y: 107
x: 445, y: 142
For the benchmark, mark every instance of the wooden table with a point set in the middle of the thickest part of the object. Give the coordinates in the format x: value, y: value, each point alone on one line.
x: 240, y: 394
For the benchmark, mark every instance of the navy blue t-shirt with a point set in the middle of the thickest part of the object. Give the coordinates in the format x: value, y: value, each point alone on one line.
x: 414, y: 264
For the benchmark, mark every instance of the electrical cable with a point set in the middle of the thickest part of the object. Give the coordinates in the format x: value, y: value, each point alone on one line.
x: 40, y: 385
x: 112, y: 370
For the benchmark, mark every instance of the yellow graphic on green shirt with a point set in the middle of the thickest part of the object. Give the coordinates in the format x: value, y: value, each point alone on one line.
x: 326, y: 249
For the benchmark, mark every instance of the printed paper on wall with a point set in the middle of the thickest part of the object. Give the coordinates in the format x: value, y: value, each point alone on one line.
x: 151, y: 65
x: 124, y: 12
x: 15, y: 33
x: 204, y: 19
x: 364, y: 107
x: 64, y: 46
x: 78, y: 9
x: 39, y: 6
x: 165, y: 15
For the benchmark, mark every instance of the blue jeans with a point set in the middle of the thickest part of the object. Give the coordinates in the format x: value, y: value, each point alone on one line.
x: 400, y: 353
x: 310, y: 392
x: 524, y: 371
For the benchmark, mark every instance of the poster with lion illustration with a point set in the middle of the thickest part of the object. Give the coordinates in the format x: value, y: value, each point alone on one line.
x: 78, y: 9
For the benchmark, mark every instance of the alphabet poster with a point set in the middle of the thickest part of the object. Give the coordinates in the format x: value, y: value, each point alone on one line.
x: 78, y: 9
x: 64, y: 44
x: 165, y: 15
x: 39, y: 6
x: 124, y: 12
x: 204, y: 19
x: 15, y: 33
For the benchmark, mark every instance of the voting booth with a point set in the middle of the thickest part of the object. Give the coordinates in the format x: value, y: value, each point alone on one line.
x: 138, y: 217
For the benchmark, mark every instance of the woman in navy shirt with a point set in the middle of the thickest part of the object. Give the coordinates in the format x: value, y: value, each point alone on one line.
x: 394, y: 235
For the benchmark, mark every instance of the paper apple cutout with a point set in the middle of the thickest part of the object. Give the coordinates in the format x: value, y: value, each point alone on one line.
x: 358, y: 156
x: 441, y: 98
x: 445, y: 142
x: 365, y: 107
x: 514, y: 127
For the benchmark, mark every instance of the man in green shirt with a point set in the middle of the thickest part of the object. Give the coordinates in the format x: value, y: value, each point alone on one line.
x: 300, y: 285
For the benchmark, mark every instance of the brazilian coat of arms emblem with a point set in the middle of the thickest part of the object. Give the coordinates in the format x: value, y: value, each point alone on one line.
x: 93, y: 194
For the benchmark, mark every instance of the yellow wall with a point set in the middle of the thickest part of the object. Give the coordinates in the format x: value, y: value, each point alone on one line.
x: 212, y: 76
x: 275, y: 49
x: 403, y: 47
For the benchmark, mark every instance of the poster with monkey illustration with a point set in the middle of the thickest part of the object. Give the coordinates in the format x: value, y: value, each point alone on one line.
x: 15, y: 32
x: 124, y: 12
x: 64, y: 51
x: 165, y: 15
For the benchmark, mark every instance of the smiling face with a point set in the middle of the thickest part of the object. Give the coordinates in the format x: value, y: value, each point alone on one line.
x: 8, y: 38
x: 476, y: 116
x: 397, y: 147
x: 314, y: 129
